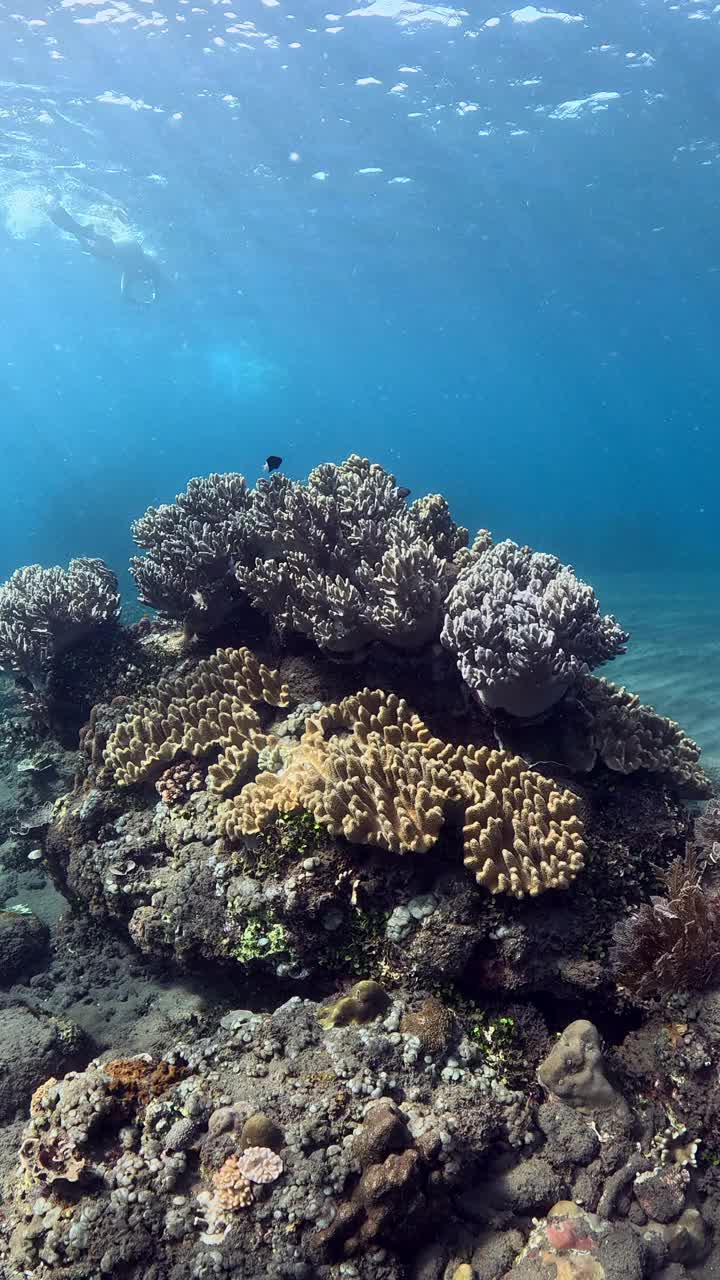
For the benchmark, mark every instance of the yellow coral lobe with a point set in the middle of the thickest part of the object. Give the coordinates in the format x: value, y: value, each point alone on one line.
x: 369, y: 770
x: 211, y: 707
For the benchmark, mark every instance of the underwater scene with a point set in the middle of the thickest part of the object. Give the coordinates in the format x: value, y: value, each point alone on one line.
x: 359, y: 640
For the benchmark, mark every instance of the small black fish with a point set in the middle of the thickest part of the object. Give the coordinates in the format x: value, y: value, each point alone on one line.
x: 272, y: 463
x: 403, y: 492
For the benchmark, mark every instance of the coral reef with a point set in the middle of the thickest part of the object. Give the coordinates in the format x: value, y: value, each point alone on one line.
x: 297, y: 903
x: 347, y: 561
x: 523, y: 628
x: 46, y: 611
x: 265, y: 818
x: 192, y: 547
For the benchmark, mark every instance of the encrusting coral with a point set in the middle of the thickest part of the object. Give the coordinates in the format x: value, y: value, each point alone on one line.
x: 347, y: 561
x: 368, y: 769
x: 46, y: 611
x: 209, y: 708
x: 523, y: 628
x: 191, y: 549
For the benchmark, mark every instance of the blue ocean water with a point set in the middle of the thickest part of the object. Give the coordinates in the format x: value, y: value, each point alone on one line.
x: 479, y: 245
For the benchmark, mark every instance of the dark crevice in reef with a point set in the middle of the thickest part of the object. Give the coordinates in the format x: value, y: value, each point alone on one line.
x: 613, y: 1024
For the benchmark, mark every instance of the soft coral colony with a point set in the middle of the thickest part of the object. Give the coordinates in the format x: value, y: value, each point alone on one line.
x: 353, y: 743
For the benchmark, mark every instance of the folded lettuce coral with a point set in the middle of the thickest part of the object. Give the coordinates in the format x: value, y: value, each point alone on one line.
x: 191, y: 549
x: 369, y: 769
x: 523, y: 628
x: 210, y: 708
x: 346, y: 561
x: 366, y: 768
x: 44, y: 611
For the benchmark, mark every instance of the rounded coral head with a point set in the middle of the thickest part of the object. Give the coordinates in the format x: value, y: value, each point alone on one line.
x: 260, y: 1164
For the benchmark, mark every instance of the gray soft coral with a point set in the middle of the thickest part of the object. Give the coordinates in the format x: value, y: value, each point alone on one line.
x: 44, y: 611
x: 523, y: 627
x: 346, y: 561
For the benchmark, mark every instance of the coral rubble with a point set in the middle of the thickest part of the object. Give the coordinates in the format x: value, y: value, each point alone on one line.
x: 387, y: 1157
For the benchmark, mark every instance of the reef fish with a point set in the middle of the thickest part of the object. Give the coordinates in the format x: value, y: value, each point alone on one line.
x: 272, y: 463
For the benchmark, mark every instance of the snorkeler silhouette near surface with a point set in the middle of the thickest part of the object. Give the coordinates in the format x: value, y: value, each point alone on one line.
x: 140, y: 277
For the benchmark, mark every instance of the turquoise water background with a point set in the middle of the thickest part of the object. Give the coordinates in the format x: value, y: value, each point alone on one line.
x: 479, y: 245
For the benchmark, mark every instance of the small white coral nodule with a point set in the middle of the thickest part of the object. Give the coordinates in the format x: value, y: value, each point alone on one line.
x: 260, y: 1164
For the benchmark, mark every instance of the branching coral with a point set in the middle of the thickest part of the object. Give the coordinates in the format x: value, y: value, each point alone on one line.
x: 368, y: 769
x: 523, y: 628
x: 346, y: 561
x: 45, y: 611
x: 341, y: 558
x: 192, y: 547
x: 671, y: 943
x: 233, y: 1189
x: 609, y: 724
x: 210, y: 708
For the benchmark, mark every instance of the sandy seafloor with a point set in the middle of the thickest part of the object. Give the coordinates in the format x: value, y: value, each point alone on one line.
x: 673, y: 657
